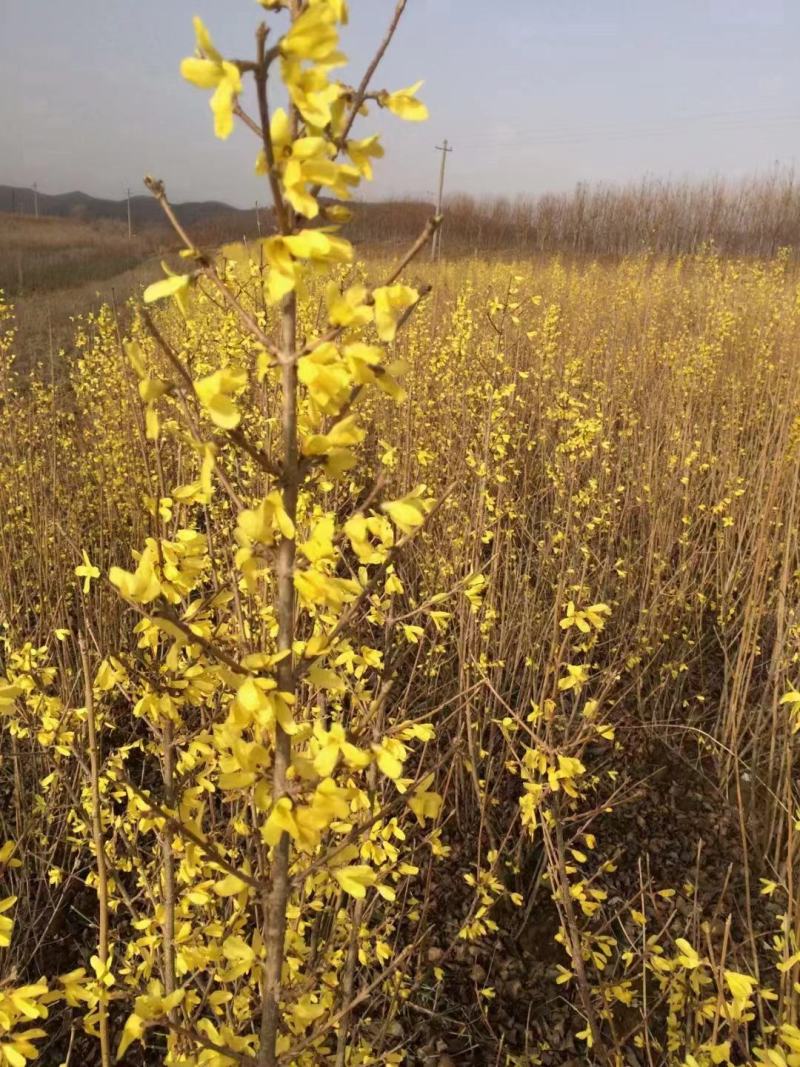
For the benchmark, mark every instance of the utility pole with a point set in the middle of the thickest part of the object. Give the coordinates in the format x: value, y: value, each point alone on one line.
x: 130, y: 224
x: 436, y: 246
x: 35, y: 200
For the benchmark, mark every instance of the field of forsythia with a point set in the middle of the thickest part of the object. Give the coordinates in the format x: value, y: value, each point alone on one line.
x: 610, y: 583
x: 398, y: 664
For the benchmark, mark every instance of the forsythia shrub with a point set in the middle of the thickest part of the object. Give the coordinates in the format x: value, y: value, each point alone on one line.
x: 330, y: 612
x: 256, y: 825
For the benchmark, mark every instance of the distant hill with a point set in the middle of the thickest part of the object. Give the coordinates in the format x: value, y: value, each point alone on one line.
x: 752, y: 216
x: 212, y: 220
x: 145, y: 211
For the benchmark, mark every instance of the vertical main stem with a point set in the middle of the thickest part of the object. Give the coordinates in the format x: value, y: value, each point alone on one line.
x: 573, y: 934
x: 275, y: 933
x: 168, y: 861
x: 348, y: 984
x: 97, y: 836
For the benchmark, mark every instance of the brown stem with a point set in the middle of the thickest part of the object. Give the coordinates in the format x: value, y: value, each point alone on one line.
x: 290, y: 1057
x: 361, y: 92
x: 206, y: 269
x: 573, y: 933
x: 168, y: 860
x: 261, y: 75
x: 208, y: 850
x: 348, y: 982
x: 335, y: 331
x: 430, y: 228
x: 356, y: 605
x: 287, y: 683
x: 99, y: 847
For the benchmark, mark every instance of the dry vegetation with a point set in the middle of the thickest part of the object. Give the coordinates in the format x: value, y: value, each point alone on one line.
x: 622, y: 435
x: 755, y: 217
x: 40, y: 255
x: 399, y: 664
x: 55, y: 269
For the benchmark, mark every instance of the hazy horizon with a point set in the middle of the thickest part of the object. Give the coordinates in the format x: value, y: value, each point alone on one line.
x: 535, y: 97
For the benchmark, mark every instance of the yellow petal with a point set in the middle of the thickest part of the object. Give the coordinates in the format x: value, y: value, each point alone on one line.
x: 355, y: 879
x: 166, y: 287
x: 405, y: 105
x: 204, y: 42
x: 201, y: 72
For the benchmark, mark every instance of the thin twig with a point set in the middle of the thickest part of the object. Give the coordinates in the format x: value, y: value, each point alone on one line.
x: 99, y: 845
x: 180, y: 828
x: 361, y: 92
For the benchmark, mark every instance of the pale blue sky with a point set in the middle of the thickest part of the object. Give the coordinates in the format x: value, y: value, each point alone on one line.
x: 535, y: 95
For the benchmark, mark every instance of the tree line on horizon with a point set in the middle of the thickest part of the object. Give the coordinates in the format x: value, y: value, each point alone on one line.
x: 756, y: 216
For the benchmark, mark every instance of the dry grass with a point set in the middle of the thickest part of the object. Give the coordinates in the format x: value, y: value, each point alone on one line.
x: 622, y: 434
x: 55, y: 269
x: 46, y: 326
x: 40, y: 255
x: 754, y: 217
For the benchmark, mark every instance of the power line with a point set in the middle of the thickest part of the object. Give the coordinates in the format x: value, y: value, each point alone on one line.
x: 436, y: 244
x: 551, y: 136
x: 582, y: 127
x: 635, y: 135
